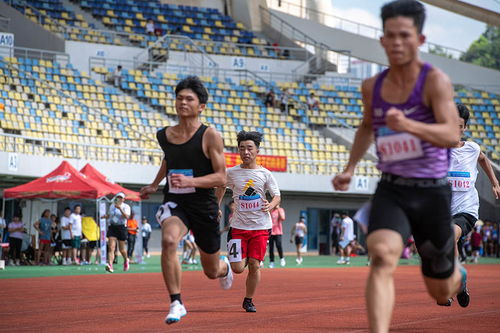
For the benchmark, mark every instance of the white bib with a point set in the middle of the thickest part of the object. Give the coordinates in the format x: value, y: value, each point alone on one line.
x: 460, y: 181
x: 399, y: 147
x: 249, y: 203
x: 177, y: 190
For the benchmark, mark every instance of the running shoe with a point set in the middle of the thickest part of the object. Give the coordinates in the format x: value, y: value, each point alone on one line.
x: 463, y: 296
x: 340, y: 262
x: 176, y: 312
x: 126, y: 265
x: 226, y: 281
x: 450, y: 300
x: 249, y: 306
x: 109, y: 268
x: 271, y: 264
x: 282, y: 262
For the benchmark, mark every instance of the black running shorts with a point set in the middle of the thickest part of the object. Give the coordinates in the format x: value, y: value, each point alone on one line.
x: 423, y: 212
x: 118, y: 231
x: 202, y: 218
x: 465, y: 221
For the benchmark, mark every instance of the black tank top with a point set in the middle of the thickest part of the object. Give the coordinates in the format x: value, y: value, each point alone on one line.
x: 187, y: 156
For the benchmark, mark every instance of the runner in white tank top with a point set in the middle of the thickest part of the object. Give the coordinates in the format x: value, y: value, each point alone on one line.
x: 462, y: 177
x: 299, y: 231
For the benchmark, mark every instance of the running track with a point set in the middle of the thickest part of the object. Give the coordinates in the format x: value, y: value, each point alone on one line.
x: 291, y: 300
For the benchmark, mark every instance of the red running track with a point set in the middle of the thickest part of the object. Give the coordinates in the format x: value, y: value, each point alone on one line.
x: 288, y: 300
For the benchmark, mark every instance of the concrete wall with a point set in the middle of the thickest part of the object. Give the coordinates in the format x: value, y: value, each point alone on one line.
x: 29, y: 34
x: 248, y: 12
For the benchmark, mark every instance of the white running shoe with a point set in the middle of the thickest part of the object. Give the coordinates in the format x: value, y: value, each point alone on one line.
x: 227, y: 281
x: 282, y: 262
x: 109, y: 268
x: 271, y: 264
x: 300, y: 260
x: 176, y: 312
x: 148, y: 256
x: 340, y: 262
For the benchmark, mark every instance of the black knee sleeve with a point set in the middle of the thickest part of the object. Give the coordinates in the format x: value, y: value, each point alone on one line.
x: 438, y: 263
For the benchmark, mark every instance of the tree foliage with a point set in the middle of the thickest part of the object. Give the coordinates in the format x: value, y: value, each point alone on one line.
x: 485, y: 51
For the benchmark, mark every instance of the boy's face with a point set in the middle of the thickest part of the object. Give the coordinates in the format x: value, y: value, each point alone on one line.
x: 187, y: 104
x: 401, y: 40
x: 462, y: 126
x: 248, y: 151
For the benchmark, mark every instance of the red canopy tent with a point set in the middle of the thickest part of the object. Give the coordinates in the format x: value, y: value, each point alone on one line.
x: 64, y: 182
x: 95, y: 175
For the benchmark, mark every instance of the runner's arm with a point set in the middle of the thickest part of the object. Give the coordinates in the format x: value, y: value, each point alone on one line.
x: 445, y: 132
x: 219, y: 193
x: 153, y: 187
x: 484, y: 162
x: 362, y: 139
x: 281, y: 213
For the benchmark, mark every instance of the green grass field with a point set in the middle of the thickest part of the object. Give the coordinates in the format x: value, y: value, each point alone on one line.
x: 152, y: 265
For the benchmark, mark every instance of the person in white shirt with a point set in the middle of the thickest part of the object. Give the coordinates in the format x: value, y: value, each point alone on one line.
x: 3, y: 224
x: 312, y: 102
x: 118, y: 214
x: 146, y: 234
x: 76, y: 230
x: 462, y: 177
x: 299, y: 232
x: 66, y: 236
x: 346, y: 236
x: 150, y: 27
x: 251, y: 221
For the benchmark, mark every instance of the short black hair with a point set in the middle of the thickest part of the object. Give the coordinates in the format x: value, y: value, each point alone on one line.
x: 256, y: 137
x: 407, y: 8
x: 67, y: 208
x: 463, y: 112
x: 194, y: 83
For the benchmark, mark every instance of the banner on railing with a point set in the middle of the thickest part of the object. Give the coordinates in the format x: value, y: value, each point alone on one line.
x: 270, y: 162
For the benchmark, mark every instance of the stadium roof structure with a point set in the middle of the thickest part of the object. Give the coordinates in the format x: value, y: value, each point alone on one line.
x: 64, y: 182
x: 95, y: 175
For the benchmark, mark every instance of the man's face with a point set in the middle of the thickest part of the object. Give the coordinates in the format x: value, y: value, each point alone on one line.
x: 187, y: 104
x: 67, y: 212
x: 248, y: 151
x: 401, y: 40
x: 78, y: 209
x: 462, y: 126
x: 119, y: 200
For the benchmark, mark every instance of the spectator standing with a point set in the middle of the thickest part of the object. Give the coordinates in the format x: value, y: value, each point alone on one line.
x: 66, y: 236
x: 3, y: 224
x: 117, y: 217
x: 132, y: 228
x: 150, y: 27
x: 335, y: 223
x: 44, y: 237
x: 55, y: 237
x: 346, y: 236
x: 146, y: 234
x: 285, y: 97
x: 475, y: 240
x: 278, y: 217
x: 299, y: 231
x: 76, y: 230
x: 117, y: 76
x: 270, y: 99
x: 16, y: 229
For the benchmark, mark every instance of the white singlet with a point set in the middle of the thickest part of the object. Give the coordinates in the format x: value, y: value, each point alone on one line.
x: 462, y: 177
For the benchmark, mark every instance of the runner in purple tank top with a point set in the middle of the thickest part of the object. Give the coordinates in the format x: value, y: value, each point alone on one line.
x: 409, y: 110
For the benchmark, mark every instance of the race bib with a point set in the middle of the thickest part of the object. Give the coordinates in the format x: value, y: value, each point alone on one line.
x: 164, y: 211
x: 234, y: 250
x: 460, y: 181
x: 399, y: 147
x: 249, y: 203
x: 177, y: 190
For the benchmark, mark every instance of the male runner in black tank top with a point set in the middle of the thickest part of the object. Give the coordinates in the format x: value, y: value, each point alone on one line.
x: 194, y: 165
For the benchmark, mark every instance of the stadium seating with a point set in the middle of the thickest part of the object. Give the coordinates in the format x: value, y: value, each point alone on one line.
x: 213, y: 32
x: 74, y: 109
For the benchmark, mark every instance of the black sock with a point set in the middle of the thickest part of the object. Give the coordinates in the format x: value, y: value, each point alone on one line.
x: 175, y: 297
x: 247, y: 300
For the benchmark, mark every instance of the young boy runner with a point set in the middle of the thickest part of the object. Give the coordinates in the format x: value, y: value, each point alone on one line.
x: 409, y: 109
x: 462, y: 177
x: 251, y: 221
x: 193, y: 165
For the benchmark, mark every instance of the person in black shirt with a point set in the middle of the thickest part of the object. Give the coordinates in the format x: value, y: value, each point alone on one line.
x: 193, y: 165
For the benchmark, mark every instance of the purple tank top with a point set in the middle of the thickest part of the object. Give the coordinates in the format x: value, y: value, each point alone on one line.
x: 401, y: 153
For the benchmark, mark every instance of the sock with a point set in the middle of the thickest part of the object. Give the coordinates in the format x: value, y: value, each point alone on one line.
x: 175, y: 297
x: 341, y: 258
x: 247, y: 300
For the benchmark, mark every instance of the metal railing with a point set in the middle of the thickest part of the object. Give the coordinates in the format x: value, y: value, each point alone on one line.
x: 351, y: 26
x: 324, y: 55
x: 24, y: 52
x: 4, y: 23
x: 76, y: 150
